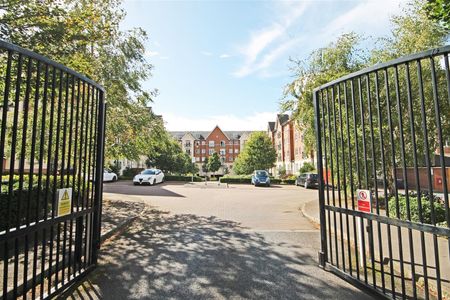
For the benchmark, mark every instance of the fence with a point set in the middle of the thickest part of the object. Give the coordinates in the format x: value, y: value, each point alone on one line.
x: 384, y: 231
x: 51, y: 140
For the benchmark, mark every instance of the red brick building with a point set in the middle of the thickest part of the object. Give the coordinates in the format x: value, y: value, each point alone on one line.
x: 287, y: 140
x: 202, y: 144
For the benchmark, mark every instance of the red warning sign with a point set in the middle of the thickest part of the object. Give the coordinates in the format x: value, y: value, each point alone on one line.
x: 364, y: 200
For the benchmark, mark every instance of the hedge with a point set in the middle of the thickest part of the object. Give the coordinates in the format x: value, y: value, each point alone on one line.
x: 439, y: 208
x: 37, y: 197
x: 182, y: 178
x: 247, y: 179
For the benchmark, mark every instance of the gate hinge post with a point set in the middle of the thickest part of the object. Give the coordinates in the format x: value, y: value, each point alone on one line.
x: 322, y: 259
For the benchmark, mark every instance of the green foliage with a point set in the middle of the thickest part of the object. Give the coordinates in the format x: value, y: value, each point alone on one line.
x: 36, y: 199
x: 258, y: 154
x: 439, y: 208
x: 214, y: 163
x: 165, y: 153
x: 247, y: 179
x: 182, y: 178
x: 323, y: 65
x: 86, y: 36
x: 439, y: 10
x: 307, y: 167
x: 129, y: 173
x: 282, y: 171
x: 411, y: 31
x: 205, y: 165
x: 115, y: 168
x: 241, y: 179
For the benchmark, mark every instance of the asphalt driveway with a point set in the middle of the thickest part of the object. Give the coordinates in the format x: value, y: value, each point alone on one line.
x: 214, y: 242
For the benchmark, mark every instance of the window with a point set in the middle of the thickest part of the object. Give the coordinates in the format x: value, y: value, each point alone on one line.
x: 230, y: 159
x: 197, y: 151
x: 211, y: 151
x: 230, y: 151
x: 203, y: 143
x: 188, y: 151
x: 203, y: 151
x: 222, y: 152
x: 187, y: 144
x: 211, y: 144
x: 197, y: 159
x: 222, y: 143
x: 203, y: 159
x: 197, y: 143
x: 236, y: 150
x: 222, y: 159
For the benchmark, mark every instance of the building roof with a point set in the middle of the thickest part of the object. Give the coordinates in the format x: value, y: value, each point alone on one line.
x: 201, y: 135
x: 283, y: 118
x: 271, y: 126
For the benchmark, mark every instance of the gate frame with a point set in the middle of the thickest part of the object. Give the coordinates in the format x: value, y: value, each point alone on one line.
x: 97, y: 152
x: 422, y: 227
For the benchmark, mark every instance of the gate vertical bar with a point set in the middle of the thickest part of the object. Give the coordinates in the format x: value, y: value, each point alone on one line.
x: 323, y: 238
x: 98, y: 178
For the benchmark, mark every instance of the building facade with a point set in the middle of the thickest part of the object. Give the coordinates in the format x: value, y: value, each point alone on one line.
x: 201, y: 144
x: 287, y: 140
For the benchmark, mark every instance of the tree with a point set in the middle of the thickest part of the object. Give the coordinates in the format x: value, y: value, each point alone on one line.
x: 323, y: 65
x: 439, y: 10
x: 412, y: 31
x: 214, y: 163
x: 258, y: 154
x: 205, y: 165
x: 85, y: 36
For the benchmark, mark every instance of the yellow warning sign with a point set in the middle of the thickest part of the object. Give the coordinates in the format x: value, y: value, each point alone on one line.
x: 64, y: 201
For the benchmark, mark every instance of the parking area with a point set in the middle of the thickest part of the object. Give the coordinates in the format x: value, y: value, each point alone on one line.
x: 197, y: 241
x: 257, y: 208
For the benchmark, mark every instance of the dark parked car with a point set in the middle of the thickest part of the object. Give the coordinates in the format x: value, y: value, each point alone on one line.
x: 260, y: 177
x: 308, y: 180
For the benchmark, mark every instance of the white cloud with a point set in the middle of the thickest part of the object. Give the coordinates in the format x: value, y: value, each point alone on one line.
x: 363, y: 15
x: 266, y: 46
x: 255, y: 121
x: 225, y: 55
x: 262, y: 39
x: 150, y: 53
x: 206, y: 53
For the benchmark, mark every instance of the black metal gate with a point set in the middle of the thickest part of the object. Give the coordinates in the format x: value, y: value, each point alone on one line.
x: 52, y: 135
x: 383, y: 143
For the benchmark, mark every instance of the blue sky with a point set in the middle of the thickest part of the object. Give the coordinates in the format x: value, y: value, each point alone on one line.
x: 226, y: 62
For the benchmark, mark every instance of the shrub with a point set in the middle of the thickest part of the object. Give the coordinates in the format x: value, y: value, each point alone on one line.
x: 247, y: 179
x: 115, y: 168
x: 26, y: 200
x: 131, y: 172
x: 288, y: 181
x: 242, y: 179
x: 307, y: 167
x: 439, y: 208
x: 182, y: 178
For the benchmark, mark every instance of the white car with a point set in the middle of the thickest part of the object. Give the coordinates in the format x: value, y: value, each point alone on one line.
x: 109, y: 176
x: 149, y: 176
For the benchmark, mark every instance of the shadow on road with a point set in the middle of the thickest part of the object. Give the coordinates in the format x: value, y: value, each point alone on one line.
x: 127, y: 188
x: 186, y: 256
